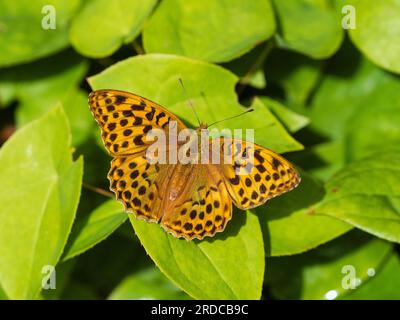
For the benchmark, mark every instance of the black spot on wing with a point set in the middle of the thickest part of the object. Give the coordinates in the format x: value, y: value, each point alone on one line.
x: 275, y: 163
x: 119, y: 99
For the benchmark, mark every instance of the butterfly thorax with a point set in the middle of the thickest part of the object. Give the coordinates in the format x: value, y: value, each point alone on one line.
x: 202, y: 125
x: 195, y: 146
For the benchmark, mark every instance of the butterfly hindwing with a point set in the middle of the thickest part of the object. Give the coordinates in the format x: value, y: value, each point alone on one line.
x: 126, y: 118
x: 136, y: 184
x: 261, y: 174
x: 204, y: 209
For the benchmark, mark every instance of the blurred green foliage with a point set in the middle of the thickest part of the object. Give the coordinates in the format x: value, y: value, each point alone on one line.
x: 327, y: 95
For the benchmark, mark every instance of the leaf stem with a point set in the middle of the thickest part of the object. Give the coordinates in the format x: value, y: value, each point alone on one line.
x: 98, y: 190
x: 244, y: 82
x: 138, y: 48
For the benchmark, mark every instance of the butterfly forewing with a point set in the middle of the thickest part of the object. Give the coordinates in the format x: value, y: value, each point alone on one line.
x: 137, y: 184
x: 125, y: 119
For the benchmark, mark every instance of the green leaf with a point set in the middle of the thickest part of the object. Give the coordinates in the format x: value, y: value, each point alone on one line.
x: 228, y: 266
x: 257, y: 80
x: 102, y: 268
x: 291, y: 120
x: 76, y: 109
x: 149, y: 284
x: 155, y: 77
x: 322, y: 160
x: 249, y: 66
x: 383, y: 286
x: 366, y: 194
x: 377, y: 31
x: 107, y: 25
x: 216, y: 31
x: 53, y: 76
x: 291, y: 226
x: 325, y: 273
x: 362, y: 100
x: 311, y: 27
x: 296, y: 74
x: 342, y: 91
x: 79, y: 291
x: 41, y: 85
x: 23, y: 37
x: 63, y: 277
x: 269, y: 132
x: 43, y: 187
x: 79, y: 116
x: 90, y: 229
x: 7, y: 94
x: 332, y: 154
x: 3, y: 295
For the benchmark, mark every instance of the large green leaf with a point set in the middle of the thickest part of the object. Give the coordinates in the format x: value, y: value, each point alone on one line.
x: 366, y: 194
x: 228, y: 266
x: 7, y: 94
x: 311, y: 27
x: 362, y: 100
x: 249, y: 66
x: 155, y: 76
x: 79, y: 291
x: 95, y: 227
x: 43, y: 187
x: 322, y: 160
x: 76, y: 109
x: 296, y: 222
x: 63, y: 277
x: 290, y: 225
x: 107, y: 25
x: 51, y: 76
x: 384, y: 285
x: 149, y: 284
x: 292, y: 120
x: 23, y: 38
x: 216, y: 31
x: 326, y: 273
x: 3, y: 295
x: 39, y: 86
x: 377, y: 31
x: 295, y: 73
x: 103, y: 267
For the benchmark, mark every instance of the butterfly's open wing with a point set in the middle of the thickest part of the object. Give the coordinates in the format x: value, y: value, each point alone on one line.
x: 204, y: 208
x: 125, y: 118
x: 261, y: 174
x: 137, y: 184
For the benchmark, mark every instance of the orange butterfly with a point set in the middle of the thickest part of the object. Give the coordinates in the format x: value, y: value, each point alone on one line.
x: 188, y: 200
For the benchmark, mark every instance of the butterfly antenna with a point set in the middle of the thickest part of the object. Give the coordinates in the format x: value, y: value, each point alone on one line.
x: 191, y: 105
x: 238, y: 115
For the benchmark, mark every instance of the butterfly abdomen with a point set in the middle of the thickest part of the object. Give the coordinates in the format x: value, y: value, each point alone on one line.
x: 179, y: 181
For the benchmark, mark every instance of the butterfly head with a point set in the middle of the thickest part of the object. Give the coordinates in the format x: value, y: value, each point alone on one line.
x: 202, y: 126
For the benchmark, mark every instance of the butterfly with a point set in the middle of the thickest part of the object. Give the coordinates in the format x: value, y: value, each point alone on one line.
x: 188, y: 200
